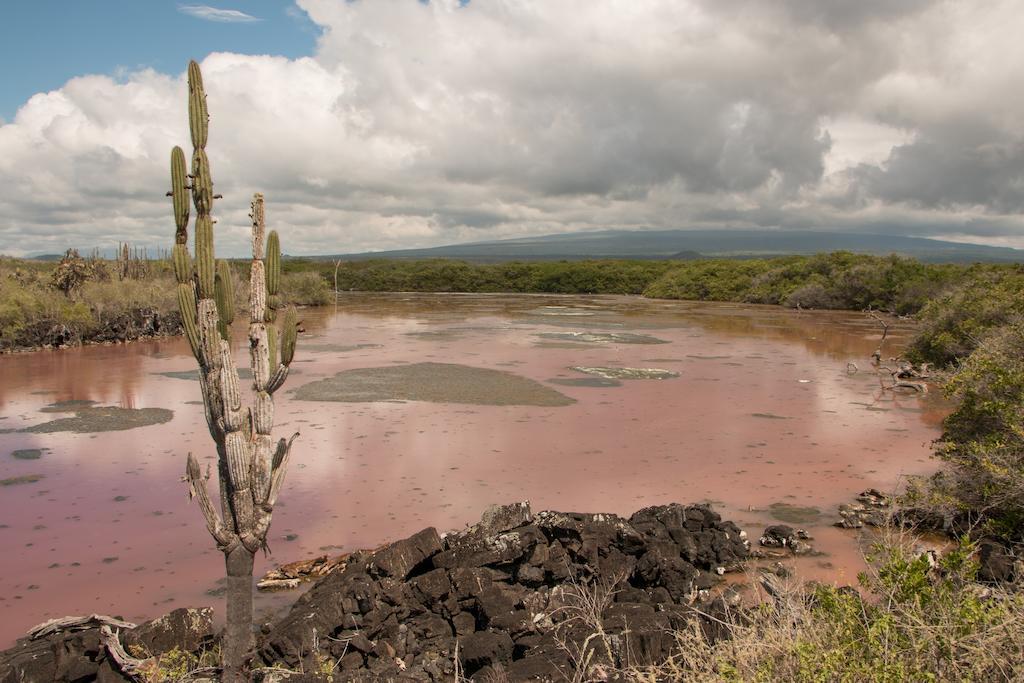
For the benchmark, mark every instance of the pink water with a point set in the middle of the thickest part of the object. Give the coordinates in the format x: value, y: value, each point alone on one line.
x: 364, y: 473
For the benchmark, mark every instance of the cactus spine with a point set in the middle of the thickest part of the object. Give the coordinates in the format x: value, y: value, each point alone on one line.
x: 251, y: 466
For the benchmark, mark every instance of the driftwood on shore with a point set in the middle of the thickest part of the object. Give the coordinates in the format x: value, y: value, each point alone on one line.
x: 291, y: 575
x: 131, y: 667
x: 82, y: 623
x: 903, y: 376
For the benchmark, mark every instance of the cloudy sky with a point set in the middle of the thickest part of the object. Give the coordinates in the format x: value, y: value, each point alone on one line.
x: 378, y: 124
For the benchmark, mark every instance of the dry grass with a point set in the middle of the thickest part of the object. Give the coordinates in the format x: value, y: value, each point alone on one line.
x: 34, y: 313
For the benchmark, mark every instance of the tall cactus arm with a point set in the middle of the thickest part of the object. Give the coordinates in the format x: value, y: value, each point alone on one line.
x: 179, y: 194
x: 198, y: 116
x: 273, y: 263
x: 261, y: 356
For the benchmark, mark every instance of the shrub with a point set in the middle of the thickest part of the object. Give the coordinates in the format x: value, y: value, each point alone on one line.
x: 956, y: 322
x: 915, y: 624
x: 983, y: 438
x: 306, y: 288
x: 811, y: 295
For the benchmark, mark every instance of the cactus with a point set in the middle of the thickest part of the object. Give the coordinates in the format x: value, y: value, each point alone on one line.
x: 273, y: 263
x: 225, y: 292
x: 202, y: 182
x: 289, y: 333
x: 251, y: 466
x: 273, y: 275
x: 272, y: 346
x: 179, y: 188
x: 205, y: 263
x: 187, y: 305
x: 198, y: 116
x: 182, y: 263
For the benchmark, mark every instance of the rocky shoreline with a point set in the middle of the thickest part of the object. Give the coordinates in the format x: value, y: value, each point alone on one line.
x: 517, y: 593
x: 132, y: 326
x: 516, y: 597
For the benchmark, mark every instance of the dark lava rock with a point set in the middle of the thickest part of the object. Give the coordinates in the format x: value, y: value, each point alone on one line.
x: 500, y: 600
x: 77, y: 654
x: 400, y: 558
x: 497, y: 598
x: 484, y: 648
x: 783, y: 536
x: 187, y: 628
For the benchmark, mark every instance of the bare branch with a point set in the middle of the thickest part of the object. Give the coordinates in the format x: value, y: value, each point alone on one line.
x: 278, y: 468
x: 135, y: 669
x: 197, y: 489
x: 877, y: 355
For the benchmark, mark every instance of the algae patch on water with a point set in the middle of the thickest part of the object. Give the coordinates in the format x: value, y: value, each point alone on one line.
x: 67, y: 406
x: 243, y: 373
x: 23, y: 479
x: 626, y: 373
x: 27, y: 454
x: 337, y: 348
x: 434, y: 383
x: 602, y: 337
x: 104, y: 419
x: 598, y: 382
x: 794, y: 514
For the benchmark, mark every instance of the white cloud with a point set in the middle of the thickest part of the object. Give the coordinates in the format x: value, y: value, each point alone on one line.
x: 420, y: 124
x: 214, y: 14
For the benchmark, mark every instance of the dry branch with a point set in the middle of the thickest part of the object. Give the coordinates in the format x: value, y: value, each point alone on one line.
x: 133, y: 668
x: 75, y: 624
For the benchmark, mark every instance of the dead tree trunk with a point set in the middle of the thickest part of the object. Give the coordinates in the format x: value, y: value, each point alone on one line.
x: 876, y: 357
x: 337, y: 264
x: 250, y: 468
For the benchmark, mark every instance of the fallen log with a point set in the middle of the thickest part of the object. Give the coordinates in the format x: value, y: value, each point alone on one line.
x: 84, y: 623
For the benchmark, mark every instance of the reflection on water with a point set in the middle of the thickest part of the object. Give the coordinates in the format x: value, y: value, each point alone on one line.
x: 107, y: 526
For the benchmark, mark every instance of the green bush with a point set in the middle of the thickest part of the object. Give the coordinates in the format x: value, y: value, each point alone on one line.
x: 915, y: 623
x: 955, y: 322
x: 983, y: 438
x: 305, y: 288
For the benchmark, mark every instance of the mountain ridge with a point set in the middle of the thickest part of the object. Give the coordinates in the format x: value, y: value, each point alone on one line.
x: 689, y: 244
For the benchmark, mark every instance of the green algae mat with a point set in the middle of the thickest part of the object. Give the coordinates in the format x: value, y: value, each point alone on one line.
x: 104, y: 419
x: 433, y: 383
